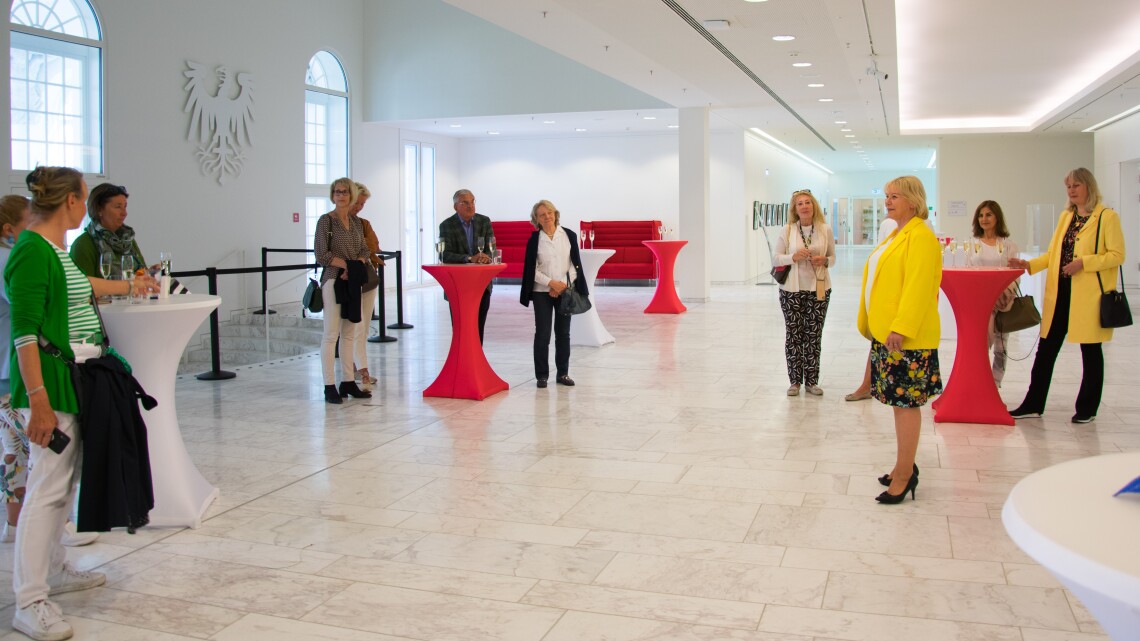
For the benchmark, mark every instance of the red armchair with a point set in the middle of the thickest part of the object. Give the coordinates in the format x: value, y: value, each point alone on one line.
x: 631, y: 259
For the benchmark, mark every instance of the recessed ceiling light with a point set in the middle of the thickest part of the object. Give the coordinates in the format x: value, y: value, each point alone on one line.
x: 801, y: 64
x: 755, y: 0
x: 492, y: 133
x: 783, y: 38
x: 673, y: 126
x: 815, y: 85
x: 455, y: 126
x: 580, y: 129
x: 649, y: 117
x: 849, y: 135
x: 548, y: 122
x: 827, y: 100
x: 841, y: 122
x: 845, y: 130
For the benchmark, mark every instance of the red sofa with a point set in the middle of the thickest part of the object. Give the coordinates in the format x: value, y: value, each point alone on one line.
x: 631, y: 259
x: 511, y: 237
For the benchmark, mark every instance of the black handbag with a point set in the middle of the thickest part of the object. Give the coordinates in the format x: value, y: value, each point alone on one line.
x: 571, y: 302
x: 780, y: 273
x: 1114, y: 311
x: 313, y: 300
x: 1022, y: 315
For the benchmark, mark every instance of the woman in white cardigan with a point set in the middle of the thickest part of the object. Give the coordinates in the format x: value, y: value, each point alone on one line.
x: 806, y: 244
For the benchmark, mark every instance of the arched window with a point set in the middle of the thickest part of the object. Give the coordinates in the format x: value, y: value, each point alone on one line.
x: 326, y: 133
x: 56, y: 85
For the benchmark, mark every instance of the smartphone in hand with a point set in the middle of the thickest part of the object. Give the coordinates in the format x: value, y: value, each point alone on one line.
x: 59, y: 441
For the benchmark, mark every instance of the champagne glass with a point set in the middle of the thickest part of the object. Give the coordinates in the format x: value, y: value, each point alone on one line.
x: 440, y: 245
x: 660, y: 231
x: 591, y: 239
x: 479, y: 244
x: 491, y: 245
x: 106, y: 261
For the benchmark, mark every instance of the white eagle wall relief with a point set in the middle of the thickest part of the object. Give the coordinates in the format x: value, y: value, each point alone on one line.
x: 220, y: 119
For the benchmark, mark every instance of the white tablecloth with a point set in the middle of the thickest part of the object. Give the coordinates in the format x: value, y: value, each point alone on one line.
x: 151, y: 336
x: 1068, y: 520
x: 587, y: 329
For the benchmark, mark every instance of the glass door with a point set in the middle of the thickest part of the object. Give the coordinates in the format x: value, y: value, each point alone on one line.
x: 418, y: 210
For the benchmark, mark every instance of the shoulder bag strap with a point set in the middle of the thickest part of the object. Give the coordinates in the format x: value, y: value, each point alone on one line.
x: 1096, y: 250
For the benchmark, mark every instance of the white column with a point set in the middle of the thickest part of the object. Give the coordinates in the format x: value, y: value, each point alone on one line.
x: 693, y: 201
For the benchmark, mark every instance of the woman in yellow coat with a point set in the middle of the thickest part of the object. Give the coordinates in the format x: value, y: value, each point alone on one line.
x: 1077, y: 254
x: 898, y: 312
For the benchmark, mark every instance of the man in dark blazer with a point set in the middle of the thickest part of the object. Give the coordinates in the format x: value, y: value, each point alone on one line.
x: 460, y: 234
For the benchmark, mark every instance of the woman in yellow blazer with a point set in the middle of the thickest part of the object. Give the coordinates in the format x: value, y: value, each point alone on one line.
x: 898, y: 312
x: 1072, y: 294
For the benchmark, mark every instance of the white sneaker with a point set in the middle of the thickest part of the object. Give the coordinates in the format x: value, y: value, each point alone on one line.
x: 793, y: 390
x: 71, y: 580
x: 42, y: 621
x: 8, y: 534
x: 73, y: 538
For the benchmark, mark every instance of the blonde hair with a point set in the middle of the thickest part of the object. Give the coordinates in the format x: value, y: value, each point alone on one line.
x: 12, y: 208
x: 353, y: 190
x: 1086, y: 178
x: 50, y: 187
x: 817, y: 215
x: 362, y: 191
x: 549, y: 205
x: 912, y: 191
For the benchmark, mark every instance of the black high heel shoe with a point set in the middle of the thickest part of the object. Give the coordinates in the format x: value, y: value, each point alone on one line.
x: 349, y: 388
x: 886, y: 478
x: 331, y: 395
x: 891, y: 499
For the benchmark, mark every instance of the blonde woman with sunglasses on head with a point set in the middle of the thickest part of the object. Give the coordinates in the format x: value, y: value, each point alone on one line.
x: 808, y: 246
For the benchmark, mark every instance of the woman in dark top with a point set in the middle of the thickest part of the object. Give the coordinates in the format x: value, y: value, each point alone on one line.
x: 339, y: 240
x: 551, y: 265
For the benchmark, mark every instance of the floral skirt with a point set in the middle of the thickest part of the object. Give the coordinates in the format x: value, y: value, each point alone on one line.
x: 904, y: 379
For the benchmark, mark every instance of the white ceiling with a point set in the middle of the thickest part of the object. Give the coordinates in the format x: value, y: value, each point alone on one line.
x: 969, y: 66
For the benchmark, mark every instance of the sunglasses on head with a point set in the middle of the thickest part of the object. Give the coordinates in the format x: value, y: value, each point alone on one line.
x: 801, y: 191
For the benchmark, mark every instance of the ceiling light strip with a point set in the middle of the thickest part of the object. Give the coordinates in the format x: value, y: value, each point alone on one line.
x: 696, y: 25
x: 772, y: 139
x: 1118, y: 117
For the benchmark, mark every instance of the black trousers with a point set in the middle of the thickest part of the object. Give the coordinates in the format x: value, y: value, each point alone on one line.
x: 1092, y: 361
x: 803, y: 336
x: 544, y: 311
x: 484, y: 307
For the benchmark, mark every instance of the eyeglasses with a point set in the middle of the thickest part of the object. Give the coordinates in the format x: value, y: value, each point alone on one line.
x: 801, y: 191
x: 341, y: 192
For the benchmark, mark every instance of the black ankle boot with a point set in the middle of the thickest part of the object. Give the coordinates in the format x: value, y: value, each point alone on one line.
x: 349, y: 388
x: 331, y: 395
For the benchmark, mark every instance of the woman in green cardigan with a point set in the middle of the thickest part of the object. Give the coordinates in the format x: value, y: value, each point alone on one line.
x: 107, y: 231
x: 51, y: 298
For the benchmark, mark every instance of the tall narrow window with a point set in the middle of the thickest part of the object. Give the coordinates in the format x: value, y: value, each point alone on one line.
x: 56, y: 85
x: 326, y: 134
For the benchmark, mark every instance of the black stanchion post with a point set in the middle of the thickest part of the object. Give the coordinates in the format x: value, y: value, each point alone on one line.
x: 382, y: 337
x: 399, y: 324
x: 265, y: 284
x: 217, y: 373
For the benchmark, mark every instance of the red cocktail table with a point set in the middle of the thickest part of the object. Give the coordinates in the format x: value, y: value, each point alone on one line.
x: 466, y: 373
x: 971, y: 396
x: 665, y: 300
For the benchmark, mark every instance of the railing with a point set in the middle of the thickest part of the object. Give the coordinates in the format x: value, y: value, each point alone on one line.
x: 216, y: 372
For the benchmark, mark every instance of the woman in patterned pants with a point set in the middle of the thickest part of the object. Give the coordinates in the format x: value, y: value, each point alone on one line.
x: 807, y: 244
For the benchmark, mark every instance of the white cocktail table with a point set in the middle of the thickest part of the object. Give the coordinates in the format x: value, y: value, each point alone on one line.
x: 1068, y: 520
x: 587, y: 329
x: 151, y: 335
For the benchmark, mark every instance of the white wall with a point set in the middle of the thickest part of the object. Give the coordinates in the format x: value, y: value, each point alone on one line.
x: 1016, y: 170
x: 173, y: 206
x: 1118, y: 176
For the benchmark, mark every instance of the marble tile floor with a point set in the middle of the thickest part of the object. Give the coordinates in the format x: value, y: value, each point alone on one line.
x: 675, y: 493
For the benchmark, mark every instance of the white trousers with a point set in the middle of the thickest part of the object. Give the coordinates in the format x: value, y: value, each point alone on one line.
x: 52, y: 483
x: 367, y: 305
x: 336, y: 327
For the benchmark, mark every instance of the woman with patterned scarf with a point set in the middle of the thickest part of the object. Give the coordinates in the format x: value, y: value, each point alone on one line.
x: 107, y: 209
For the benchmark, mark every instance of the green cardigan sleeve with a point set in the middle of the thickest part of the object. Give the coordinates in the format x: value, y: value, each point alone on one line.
x: 85, y: 255
x: 37, y: 287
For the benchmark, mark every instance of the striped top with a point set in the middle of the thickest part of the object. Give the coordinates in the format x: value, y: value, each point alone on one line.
x: 82, y: 323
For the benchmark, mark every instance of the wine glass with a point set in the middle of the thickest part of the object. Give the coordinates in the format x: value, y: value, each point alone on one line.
x: 106, y: 261
x: 591, y: 239
x: 479, y: 244
x: 660, y: 231
x: 491, y: 245
x: 440, y: 245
